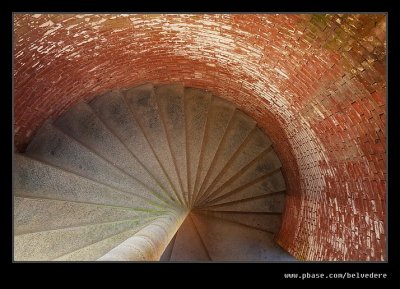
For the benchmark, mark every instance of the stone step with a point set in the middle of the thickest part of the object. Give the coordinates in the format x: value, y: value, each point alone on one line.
x: 166, y: 256
x: 197, y: 102
x: 143, y: 104
x: 39, y: 180
x: 264, y: 165
x: 170, y: 100
x: 48, y: 245
x: 82, y: 125
x: 262, y: 221
x: 161, y: 172
x: 273, y: 203
x: 188, y: 246
x: 218, y: 119
x: 250, y: 149
x: 34, y: 215
x: 265, y: 184
x: 113, y: 110
x: 94, y: 251
x: 227, y: 241
x: 237, y: 132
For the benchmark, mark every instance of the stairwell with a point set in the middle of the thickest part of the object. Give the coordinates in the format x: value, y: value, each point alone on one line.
x: 154, y: 172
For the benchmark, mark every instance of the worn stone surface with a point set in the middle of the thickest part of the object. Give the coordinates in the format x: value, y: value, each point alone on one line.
x: 113, y: 111
x: 262, y: 167
x: 266, y: 222
x: 33, y: 215
x: 170, y: 101
x: 227, y: 241
x: 96, y: 250
x: 265, y: 185
x: 144, y: 107
x: 239, y: 128
x: 264, y: 203
x: 48, y: 245
x: 38, y: 180
x: 197, y: 103
x: 56, y: 148
x: 81, y: 123
x: 250, y: 149
x: 218, y: 118
x: 187, y: 245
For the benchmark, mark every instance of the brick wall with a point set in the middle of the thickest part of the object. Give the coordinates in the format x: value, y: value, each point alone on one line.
x: 315, y: 83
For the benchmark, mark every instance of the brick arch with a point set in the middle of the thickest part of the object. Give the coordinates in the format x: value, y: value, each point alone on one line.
x: 315, y: 83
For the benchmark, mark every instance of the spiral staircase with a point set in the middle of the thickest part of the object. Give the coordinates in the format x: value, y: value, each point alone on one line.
x: 149, y: 173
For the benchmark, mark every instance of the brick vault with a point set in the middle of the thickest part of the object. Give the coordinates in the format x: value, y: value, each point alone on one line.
x: 314, y: 87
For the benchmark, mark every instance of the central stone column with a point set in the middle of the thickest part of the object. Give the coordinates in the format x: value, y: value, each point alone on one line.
x: 150, y: 242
